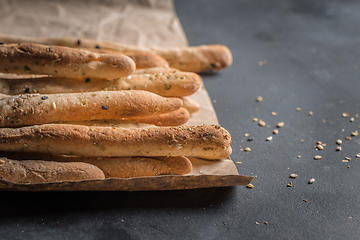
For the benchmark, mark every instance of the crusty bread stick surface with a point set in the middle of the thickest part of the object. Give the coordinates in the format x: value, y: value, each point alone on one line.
x: 28, y: 109
x: 207, y: 141
x: 175, y: 118
x: 167, y: 85
x: 27, y: 58
x: 36, y: 171
x: 192, y: 59
x: 128, y: 167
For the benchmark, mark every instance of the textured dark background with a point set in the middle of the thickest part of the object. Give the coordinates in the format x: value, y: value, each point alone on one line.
x: 312, y: 50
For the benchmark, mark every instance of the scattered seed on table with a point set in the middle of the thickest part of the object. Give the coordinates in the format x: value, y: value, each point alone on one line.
x: 310, y: 113
x: 274, y: 113
x: 247, y: 149
x: 262, y: 123
x: 238, y: 162
x: 259, y: 99
x: 269, y: 138
x: 305, y: 200
x: 250, y: 185
x: 275, y: 131
x: 318, y: 142
x: 323, y: 144
x: 289, y: 184
x: 320, y: 147
x: 293, y: 175
x: 338, y: 149
x: 280, y: 124
x: 266, y: 223
x: 317, y: 157
x: 355, y: 133
x: 352, y: 119
x: 255, y: 119
x: 323, y: 121
x: 246, y: 134
x: 311, y: 180
x: 347, y: 158
x: 301, y: 140
x: 348, y: 138
x: 356, y: 115
x: 358, y: 155
x: 345, y: 115
x: 299, y: 156
x: 339, y: 142
x: 298, y: 109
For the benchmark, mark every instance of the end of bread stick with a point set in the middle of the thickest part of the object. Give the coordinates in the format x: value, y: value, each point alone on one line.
x: 37, y: 171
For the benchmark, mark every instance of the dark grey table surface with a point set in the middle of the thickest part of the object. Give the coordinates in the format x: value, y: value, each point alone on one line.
x: 312, y: 52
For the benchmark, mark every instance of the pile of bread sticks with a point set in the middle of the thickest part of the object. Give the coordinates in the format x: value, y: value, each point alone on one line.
x: 79, y: 109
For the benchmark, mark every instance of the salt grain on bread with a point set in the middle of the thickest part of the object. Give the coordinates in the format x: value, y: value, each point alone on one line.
x: 59, y: 61
x: 192, y: 59
x: 207, y: 141
x: 128, y: 167
x: 20, y: 110
x: 36, y: 171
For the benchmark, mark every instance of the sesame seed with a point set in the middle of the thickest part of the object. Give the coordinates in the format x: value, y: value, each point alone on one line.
x: 347, y: 158
x: 259, y: 99
x: 262, y: 123
x: 352, y: 119
x: 339, y: 142
x: 299, y: 156
x: 269, y: 138
x: 355, y: 133
x: 338, y: 149
x: 348, y: 138
x: 266, y: 223
x: 274, y: 113
x: 310, y: 113
x: 298, y: 109
x: 280, y: 124
x: 311, y: 180
x: 317, y: 157
x: 318, y: 142
x: 44, y: 97
x: 289, y: 184
x: 250, y: 185
x: 293, y: 175
x: 345, y: 115
x: 276, y: 131
x: 238, y: 162
x: 320, y: 147
x: 105, y: 107
x: 260, y: 63
x: 255, y: 119
x: 247, y: 149
x: 246, y: 134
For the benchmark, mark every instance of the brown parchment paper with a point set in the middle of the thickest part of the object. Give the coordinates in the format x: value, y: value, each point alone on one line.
x: 151, y: 23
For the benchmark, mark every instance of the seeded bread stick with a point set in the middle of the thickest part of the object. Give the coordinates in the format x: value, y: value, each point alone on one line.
x: 156, y: 70
x: 190, y: 105
x: 27, y: 58
x: 141, y: 59
x: 129, y: 167
x: 175, y: 118
x: 190, y: 59
x: 28, y: 109
x: 207, y: 141
x: 36, y: 171
x: 167, y: 85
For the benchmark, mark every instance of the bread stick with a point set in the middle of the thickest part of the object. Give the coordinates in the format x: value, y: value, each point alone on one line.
x: 190, y: 105
x: 191, y: 59
x: 141, y: 59
x: 207, y: 141
x: 36, y: 171
x: 156, y: 70
x: 21, y: 110
x: 167, y: 85
x: 129, y: 167
x: 175, y: 118
x: 58, y: 61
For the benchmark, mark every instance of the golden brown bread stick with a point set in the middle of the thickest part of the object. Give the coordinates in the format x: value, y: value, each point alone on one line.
x: 175, y: 118
x: 156, y: 70
x: 36, y: 171
x: 28, y: 109
x: 141, y: 59
x: 128, y: 167
x: 190, y: 105
x: 191, y: 59
x: 167, y: 85
x: 58, y: 61
x: 207, y: 141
